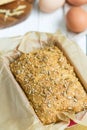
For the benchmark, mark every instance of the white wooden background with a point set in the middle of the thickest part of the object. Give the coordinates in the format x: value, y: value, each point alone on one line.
x: 38, y: 21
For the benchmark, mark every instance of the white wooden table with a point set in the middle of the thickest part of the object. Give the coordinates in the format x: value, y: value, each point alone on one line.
x: 38, y: 21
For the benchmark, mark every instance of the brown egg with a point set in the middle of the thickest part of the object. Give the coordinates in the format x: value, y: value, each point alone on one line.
x: 76, y: 19
x: 77, y: 2
x: 49, y: 6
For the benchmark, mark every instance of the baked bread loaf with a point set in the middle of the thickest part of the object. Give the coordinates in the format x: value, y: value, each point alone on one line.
x: 14, y: 12
x: 50, y: 83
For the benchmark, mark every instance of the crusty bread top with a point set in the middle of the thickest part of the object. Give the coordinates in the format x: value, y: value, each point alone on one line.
x: 50, y: 83
x: 2, y: 2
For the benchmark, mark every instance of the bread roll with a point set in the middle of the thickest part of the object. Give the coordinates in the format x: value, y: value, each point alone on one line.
x: 14, y: 12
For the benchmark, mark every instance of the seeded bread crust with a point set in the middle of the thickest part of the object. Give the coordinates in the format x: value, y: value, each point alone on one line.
x: 50, y: 83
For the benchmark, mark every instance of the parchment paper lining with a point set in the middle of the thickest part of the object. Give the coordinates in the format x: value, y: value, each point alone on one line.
x: 18, y: 113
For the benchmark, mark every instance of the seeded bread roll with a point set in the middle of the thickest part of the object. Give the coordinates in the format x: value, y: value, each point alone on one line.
x: 50, y: 83
x: 14, y: 12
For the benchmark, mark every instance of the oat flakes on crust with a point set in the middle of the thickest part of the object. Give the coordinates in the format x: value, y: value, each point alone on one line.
x: 50, y: 83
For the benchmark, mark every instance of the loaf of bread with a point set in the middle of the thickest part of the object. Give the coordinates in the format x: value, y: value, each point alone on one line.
x: 50, y: 83
x: 14, y: 12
